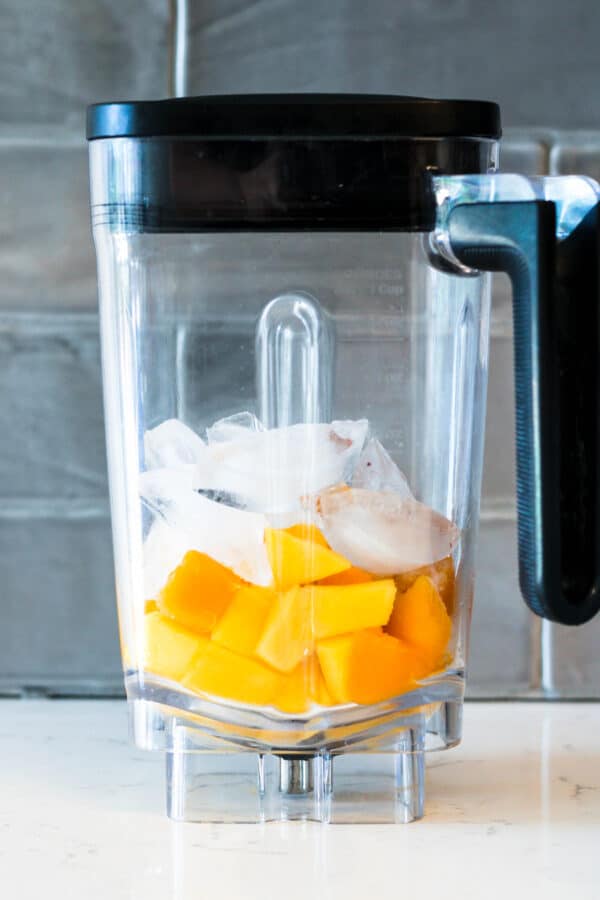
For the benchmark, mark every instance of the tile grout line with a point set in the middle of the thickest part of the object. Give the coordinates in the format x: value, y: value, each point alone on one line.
x: 496, y: 510
x: 54, y: 322
x: 68, y: 508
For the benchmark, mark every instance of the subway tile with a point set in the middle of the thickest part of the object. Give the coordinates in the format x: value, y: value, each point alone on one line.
x: 506, y: 52
x: 572, y: 660
x: 500, y: 660
x: 499, y: 479
x: 576, y: 154
x: 58, y: 605
x: 58, y: 58
x: 51, y: 423
x: 46, y: 252
x: 524, y: 153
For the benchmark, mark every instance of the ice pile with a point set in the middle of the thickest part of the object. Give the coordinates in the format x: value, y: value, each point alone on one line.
x: 218, y: 496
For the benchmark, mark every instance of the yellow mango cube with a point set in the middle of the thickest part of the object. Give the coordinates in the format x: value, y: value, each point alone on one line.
x: 337, y: 609
x: 168, y: 648
x: 420, y: 618
x: 242, y: 623
x: 308, y: 532
x: 288, y: 635
x: 198, y: 592
x: 222, y: 673
x: 303, y: 687
x: 353, y: 575
x: 297, y: 561
x: 303, y: 614
x: 367, y: 666
x: 441, y: 573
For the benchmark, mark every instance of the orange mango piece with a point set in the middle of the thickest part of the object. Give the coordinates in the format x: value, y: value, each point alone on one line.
x: 150, y: 606
x: 366, y: 667
x: 198, y: 592
x: 218, y: 671
x: 308, y: 532
x: 303, y: 614
x: 303, y: 687
x: 242, y: 623
x: 353, y: 575
x: 298, y: 561
x: 338, y: 609
x: 441, y: 573
x: 287, y: 635
x: 168, y: 648
x: 420, y: 618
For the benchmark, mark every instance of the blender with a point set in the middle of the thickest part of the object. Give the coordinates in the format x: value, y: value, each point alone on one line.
x: 295, y: 306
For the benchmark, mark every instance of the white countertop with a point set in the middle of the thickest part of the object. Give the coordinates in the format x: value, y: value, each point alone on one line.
x: 514, y: 812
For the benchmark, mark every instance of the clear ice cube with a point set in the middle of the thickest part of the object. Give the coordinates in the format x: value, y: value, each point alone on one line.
x: 383, y: 532
x: 241, y: 425
x: 158, y: 485
x: 232, y: 536
x: 272, y: 471
x: 172, y: 444
x: 377, y: 471
x: 164, y: 548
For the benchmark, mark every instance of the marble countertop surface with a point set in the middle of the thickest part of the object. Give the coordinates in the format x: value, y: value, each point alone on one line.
x: 514, y: 812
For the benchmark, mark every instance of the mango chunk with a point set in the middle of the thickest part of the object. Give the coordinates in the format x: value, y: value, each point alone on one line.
x: 287, y: 635
x: 441, y: 573
x: 353, y: 575
x: 420, y: 618
x: 338, y: 609
x: 366, y: 667
x: 242, y: 623
x: 168, y: 648
x: 303, y: 687
x: 218, y: 671
x: 198, y: 592
x: 308, y: 532
x: 298, y: 561
x: 303, y: 614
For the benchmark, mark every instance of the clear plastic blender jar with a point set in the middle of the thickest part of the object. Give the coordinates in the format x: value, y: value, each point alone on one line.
x: 295, y: 324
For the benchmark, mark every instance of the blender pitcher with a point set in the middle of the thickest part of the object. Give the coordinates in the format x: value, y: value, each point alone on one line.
x: 295, y: 326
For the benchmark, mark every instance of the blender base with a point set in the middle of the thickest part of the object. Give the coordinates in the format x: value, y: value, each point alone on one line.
x: 220, y: 767
x: 342, y: 788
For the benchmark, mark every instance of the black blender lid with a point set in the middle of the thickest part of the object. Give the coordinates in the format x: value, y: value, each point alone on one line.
x: 295, y: 116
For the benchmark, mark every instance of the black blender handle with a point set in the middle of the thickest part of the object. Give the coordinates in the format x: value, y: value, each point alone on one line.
x: 557, y: 384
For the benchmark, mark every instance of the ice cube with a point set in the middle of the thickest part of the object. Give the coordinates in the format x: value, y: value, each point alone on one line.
x: 377, y: 471
x: 232, y: 536
x: 172, y: 444
x: 158, y: 485
x: 271, y: 471
x: 382, y: 532
x: 164, y: 548
x: 240, y: 425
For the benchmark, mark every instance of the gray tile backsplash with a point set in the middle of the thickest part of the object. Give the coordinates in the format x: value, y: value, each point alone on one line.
x: 46, y: 252
x: 498, y: 487
x: 500, y: 650
x: 51, y: 424
x: 58, y: 610
x: 572, y: 657
x: 55, y: 559
x: 456, y: 48
x: 57, y: 57
x: 525, y: 152
x: 575, y: 154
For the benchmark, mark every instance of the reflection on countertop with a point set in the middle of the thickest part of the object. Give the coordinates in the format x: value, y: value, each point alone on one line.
x: 513, y: 812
